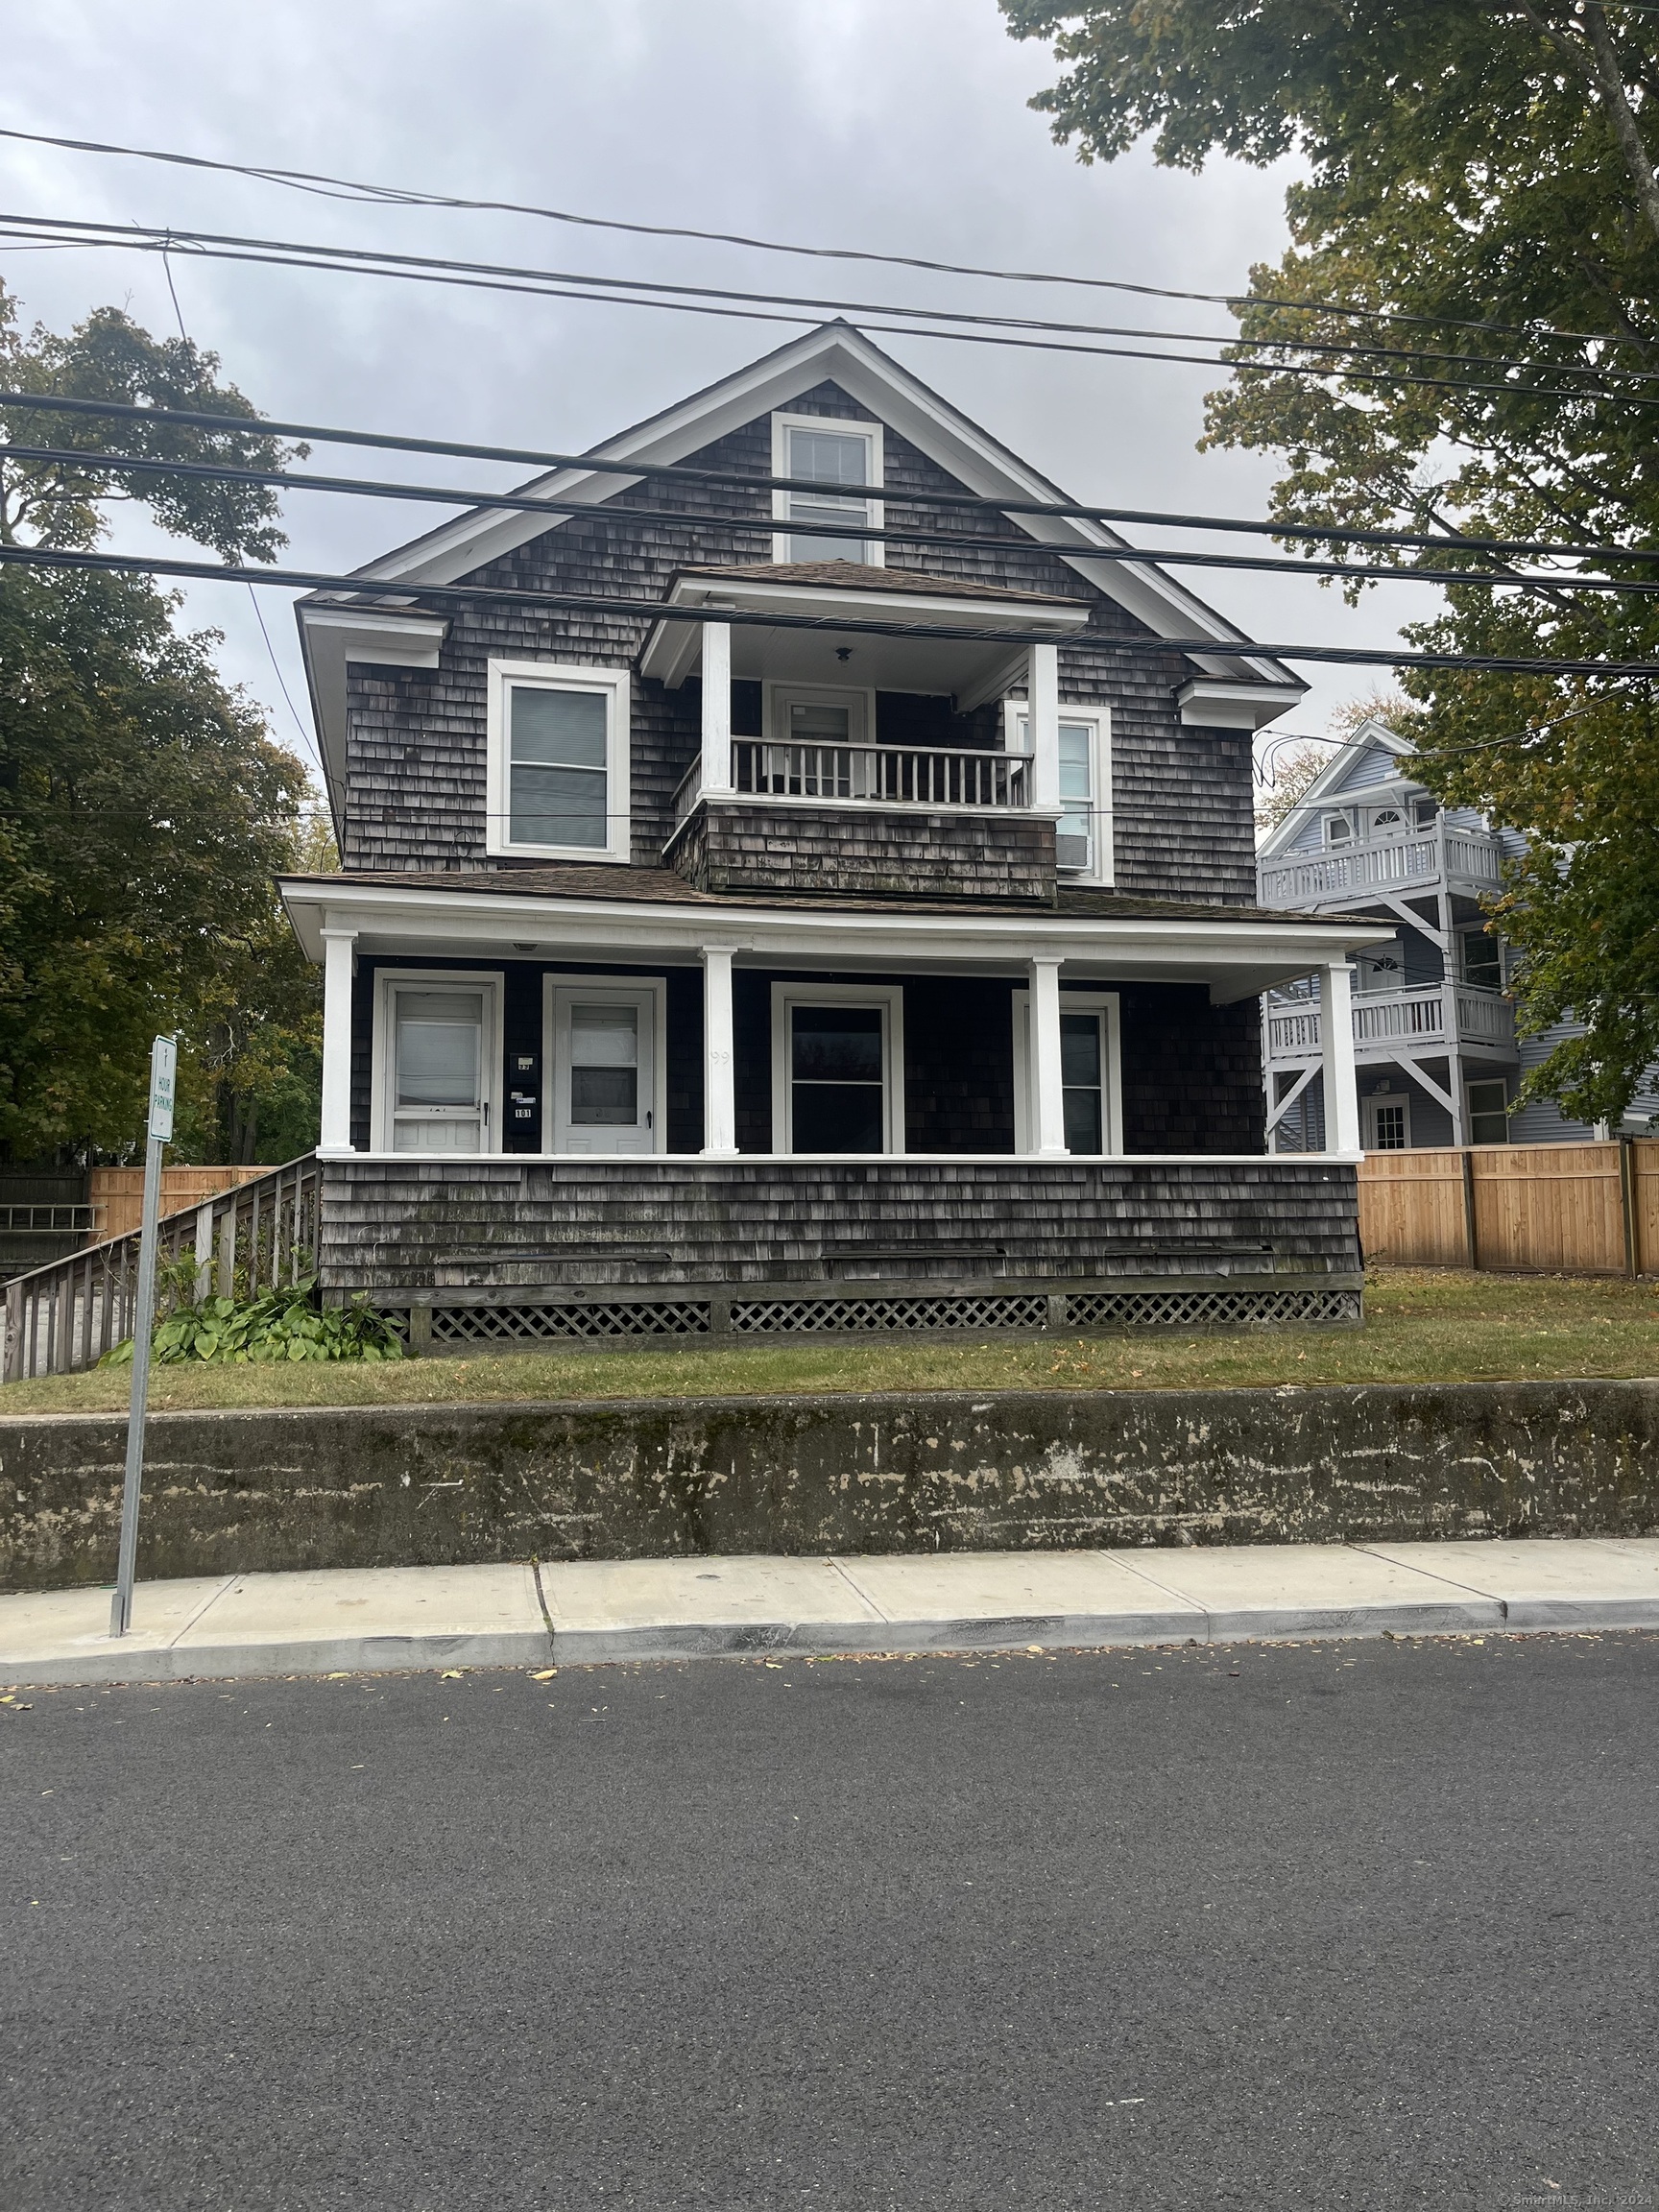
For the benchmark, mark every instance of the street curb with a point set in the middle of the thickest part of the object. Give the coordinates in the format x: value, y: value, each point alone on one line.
x: 709, y: 1640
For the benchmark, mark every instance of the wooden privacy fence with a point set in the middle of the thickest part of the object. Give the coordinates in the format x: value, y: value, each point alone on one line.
x: 1525, y: 1208
x: 117, y: 1194
x: 245, y: 1240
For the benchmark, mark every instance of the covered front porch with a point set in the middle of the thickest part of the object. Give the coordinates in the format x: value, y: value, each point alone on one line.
x: 605, y: 1117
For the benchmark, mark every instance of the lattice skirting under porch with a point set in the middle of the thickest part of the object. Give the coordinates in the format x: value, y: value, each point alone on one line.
x: 988, y: 1312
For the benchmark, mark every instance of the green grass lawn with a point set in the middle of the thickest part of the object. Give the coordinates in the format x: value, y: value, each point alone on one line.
x: 1420, y: 1326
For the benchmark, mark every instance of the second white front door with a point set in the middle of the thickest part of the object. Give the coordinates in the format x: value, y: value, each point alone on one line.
x: 604, y: 1068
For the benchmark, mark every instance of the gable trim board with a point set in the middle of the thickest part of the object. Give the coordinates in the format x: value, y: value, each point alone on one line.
x: 1371, y: 736
x: 898, y: 400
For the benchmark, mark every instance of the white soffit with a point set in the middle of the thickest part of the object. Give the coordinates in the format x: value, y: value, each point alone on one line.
x: 840, y: 353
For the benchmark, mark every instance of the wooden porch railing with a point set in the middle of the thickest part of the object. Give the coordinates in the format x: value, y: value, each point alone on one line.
x: 886, y: 774
x: 66, y: 1317
x: 881, y: 774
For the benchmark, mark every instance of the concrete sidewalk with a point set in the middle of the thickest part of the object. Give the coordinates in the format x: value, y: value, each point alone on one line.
x: 364, y: 1621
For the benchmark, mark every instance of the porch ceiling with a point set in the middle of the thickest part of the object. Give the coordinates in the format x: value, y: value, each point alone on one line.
x: 968, y: 670
x: 1234, y: 959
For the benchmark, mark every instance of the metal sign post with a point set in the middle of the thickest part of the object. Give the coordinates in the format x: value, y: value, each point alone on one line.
x: 164, y: 1067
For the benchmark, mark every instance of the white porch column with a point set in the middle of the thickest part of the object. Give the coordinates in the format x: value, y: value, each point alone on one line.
x: 716, y: 705
x: 1048, y: 1097
x: 719, y: 1066
x: 338, y: 964
x: 1042, y: 692
x: 1336, y: 1056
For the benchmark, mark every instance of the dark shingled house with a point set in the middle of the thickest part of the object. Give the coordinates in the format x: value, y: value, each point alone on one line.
x: 803, y: 929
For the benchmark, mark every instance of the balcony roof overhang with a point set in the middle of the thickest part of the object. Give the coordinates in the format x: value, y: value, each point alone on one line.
x: 1234, y: 959
x: 970, y: 669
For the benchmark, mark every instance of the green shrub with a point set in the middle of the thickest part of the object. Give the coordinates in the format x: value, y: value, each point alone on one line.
x: 286, y: 1324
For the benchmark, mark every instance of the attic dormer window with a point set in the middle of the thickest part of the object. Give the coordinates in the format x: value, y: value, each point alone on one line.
x: 1339, y: 829
x: 844, y: 458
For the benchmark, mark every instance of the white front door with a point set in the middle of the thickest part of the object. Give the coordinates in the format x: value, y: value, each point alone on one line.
x: 439, y: 1066
x: 604, y: 1062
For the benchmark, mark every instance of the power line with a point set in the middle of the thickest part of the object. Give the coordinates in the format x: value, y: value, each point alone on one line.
x: 766, y: 524
x: 401, y: 196
x: 597, y: 462
x: 763, y: 308
x: 655, y: 611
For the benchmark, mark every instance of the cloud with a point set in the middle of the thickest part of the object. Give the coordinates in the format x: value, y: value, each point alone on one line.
x: 853, y: 122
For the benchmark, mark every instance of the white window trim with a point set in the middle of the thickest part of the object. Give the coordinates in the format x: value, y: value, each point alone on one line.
x: 388, y: 981
x: 1105, y: 1002
x: 875, y: 552
x: 1381, y: 1098
x: 890, y: 999
x: 604, y: 987
x: 1015, y: 710
x: 560, y: 676
x: 1339, y: 844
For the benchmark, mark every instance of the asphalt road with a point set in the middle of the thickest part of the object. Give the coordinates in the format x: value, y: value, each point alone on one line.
x: 1347, y: 1924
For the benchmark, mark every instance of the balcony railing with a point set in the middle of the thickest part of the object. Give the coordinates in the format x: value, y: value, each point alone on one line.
x: 878, y: 775
x: 1406, y: 1019
x: 1385, y: 866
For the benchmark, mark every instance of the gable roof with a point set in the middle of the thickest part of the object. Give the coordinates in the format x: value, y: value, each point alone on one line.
x: 836, y: 351
x: 1351, y: 768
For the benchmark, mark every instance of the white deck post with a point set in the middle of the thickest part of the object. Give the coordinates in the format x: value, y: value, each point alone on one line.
x: 338, y: 963
x: 717, y: 707
x: 1047, y: 1095
x: 1336, y: 1056
x: 1043, y: 693
x: 719, y: 1066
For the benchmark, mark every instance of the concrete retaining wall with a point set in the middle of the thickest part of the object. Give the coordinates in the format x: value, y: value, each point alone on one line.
x: 423, y: 1486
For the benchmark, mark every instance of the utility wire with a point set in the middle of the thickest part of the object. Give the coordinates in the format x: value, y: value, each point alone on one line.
x: 655, y: 611
x: 765, y: 307
x: 862, y: 533
x: 401, y: 196
x: 600, y: 462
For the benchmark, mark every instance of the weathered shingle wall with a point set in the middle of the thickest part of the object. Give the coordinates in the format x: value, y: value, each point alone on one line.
x: 395, y: 1226
x: 416, y: 761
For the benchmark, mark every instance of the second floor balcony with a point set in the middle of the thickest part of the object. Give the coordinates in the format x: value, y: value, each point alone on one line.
x: 838, y: 756
x: 1424, y: 1017
x: 1466, y: 861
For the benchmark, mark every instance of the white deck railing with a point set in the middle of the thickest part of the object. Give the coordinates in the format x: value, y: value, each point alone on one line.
x: 878, y: 775
x: 1423, y: 1016
x: 1455, y: 855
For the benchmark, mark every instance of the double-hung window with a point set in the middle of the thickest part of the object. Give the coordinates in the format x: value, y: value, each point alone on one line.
x: 844, y: 458
x: 837, y: 1068
x: 1082, y: 833
x: 558, y: 745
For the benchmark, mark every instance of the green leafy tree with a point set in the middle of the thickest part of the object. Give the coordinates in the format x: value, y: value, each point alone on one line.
x: 1469, y: 163
x: 109, y: 357
x: 143, y: 808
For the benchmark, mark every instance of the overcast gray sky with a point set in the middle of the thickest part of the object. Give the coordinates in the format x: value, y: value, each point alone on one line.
x: 900, y: 125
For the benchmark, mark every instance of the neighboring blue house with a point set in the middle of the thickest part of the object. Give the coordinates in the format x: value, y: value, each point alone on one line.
x: 1438, y: 1059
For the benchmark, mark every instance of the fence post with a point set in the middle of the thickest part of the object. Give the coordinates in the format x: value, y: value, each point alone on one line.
x: 228, y: 1248
x: 13, y: 1332
x: 1470, y: 1239
x: 1627, y: 1204
x: 204, y: 1251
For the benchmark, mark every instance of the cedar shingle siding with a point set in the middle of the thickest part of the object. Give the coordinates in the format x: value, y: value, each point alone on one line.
x: 416, y: 746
